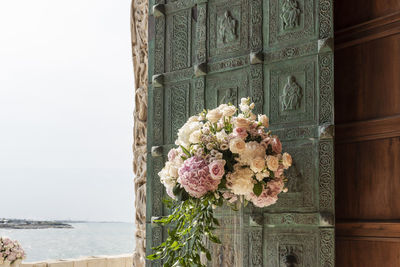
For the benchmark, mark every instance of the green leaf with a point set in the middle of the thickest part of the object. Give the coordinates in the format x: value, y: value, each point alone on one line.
x: 185, y: 151
x: 208, y: 255
x: 257, y: 189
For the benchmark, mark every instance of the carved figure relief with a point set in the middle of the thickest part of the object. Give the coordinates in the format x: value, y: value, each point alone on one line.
x: 292, y: 95
x: 228, y: 96
x: 226, y: 256
x: 289, y: 255
x: 290, y: 14
x: 227, y: 29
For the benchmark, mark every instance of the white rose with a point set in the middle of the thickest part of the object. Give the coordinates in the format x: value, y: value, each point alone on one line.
x: 245, y: 101
x: 184, y: 133
x: 287, y: 160
x: 253, y: 150
x: 214, y: 115
x: 171, y: 169
x: 195, y: 137
x: 221, y: 135
x: 237, y: 145
x: 272, y: 163
x: 263, y: 119
x: 257, y: 164
x: 221, y: 107
x: 229, y: 111
x: 240, y: 181
x: 194, y: 119
x: 244, y: 108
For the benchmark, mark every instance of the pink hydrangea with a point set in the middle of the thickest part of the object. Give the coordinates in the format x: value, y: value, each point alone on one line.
x: 269, y: 194
x: 195, y: 177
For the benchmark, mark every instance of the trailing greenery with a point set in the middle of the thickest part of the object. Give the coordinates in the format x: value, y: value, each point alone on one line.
x: 190, y: 222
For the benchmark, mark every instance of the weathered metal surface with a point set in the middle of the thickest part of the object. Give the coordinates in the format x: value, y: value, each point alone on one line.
x: 280, y: 53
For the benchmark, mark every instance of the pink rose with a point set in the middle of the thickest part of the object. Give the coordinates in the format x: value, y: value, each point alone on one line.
x: 240, y: 132
x: 276, y: 145
x: 217, y: 169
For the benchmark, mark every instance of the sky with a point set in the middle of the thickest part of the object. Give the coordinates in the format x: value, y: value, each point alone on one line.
x: 66, y: 103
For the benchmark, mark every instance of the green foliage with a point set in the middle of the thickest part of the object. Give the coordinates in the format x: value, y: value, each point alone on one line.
x: 257, y: 189
x: 192, y: 220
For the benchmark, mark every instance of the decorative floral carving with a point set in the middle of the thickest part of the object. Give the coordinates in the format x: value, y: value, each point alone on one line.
x: 327, y: 248
x: 325, y: 19
x: 179, y: 41
x: 159, y: 45
x: 228, y: 64
x: 326, y: 88
x: 292, y: 52
x: 256, y: 252
x: 326, y: 176
x: 256, y: 25
x: 291, y: 218
x: 257, y: 90
x: 201, y: 33
x: 179, y: 107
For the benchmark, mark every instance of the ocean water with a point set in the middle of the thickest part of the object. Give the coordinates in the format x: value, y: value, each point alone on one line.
x: 85, y: 239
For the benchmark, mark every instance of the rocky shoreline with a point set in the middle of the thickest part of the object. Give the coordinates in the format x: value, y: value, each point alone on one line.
x: 28, y: 224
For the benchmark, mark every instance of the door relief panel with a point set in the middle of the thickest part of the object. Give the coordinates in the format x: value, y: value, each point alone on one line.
x: 280, y: 53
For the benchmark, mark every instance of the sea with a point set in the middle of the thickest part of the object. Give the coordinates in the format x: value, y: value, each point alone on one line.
x: 84, y: 239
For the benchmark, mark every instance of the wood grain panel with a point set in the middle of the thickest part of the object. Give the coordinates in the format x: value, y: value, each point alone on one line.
x: 368, y: 180
x: 349, y: 13
x: 367, y: 80
x: 368, y: 31
x: 368, y: 229
x: 368, y: 130
x: 367, y: 252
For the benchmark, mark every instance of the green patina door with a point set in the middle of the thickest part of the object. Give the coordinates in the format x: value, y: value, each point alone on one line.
x: 280, y: 53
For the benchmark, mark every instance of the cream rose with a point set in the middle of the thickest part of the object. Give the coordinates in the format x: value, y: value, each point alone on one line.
x: 229, y: 111
x: 272, y: 163
x: 237, y: 145
x: 240, y: 181
x: 242, y: 123
x: 263, y: 119
x: 214, y: 115
x: 257, y: 165
x: 286, y: 160
x: 194, y: 137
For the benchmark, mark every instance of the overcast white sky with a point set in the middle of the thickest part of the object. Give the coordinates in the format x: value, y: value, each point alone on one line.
x: 66, y: 101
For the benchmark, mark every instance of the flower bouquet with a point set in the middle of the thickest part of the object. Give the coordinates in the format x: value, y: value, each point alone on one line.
x: 11, y: 253
x: 220, y: 158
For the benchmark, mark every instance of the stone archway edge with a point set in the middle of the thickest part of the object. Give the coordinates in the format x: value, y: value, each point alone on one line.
x: 139, y: 26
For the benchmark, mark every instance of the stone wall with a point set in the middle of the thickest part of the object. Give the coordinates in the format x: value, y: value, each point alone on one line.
x: 112, y: 261
x: 139, y: 18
